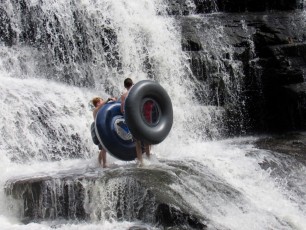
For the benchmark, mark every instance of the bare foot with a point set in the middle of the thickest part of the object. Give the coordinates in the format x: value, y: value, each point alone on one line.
x: 139, y: 164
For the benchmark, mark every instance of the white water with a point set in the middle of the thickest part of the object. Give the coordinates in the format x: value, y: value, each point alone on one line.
x: 26, y: 146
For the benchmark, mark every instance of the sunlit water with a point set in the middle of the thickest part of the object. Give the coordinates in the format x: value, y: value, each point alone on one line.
x: 45, y: 123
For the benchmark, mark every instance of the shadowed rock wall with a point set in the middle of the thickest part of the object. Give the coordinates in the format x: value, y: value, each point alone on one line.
x: 264, y: 53
x: 185, y: 7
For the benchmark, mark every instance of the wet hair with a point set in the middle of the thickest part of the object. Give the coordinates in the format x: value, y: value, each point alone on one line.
x: 128, y: 82
x: 95, y: 101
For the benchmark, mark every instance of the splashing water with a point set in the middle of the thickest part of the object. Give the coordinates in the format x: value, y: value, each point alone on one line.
x: 65, y: 52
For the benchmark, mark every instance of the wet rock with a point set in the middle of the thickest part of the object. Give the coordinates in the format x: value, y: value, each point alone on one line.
x: 293, y: 143
x: 271, y: 52
x: 283, y: 88
x: 7, y: 35
x: 190, y: 40
x: 122, y: 193
x: 258, y: 5
x: 185, y: 7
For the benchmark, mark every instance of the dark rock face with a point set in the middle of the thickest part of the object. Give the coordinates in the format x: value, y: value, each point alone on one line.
x: 293, y: 144
x: 258, y: 5
x: 263, y: 55
x: 282, y: 58
x: 270, y: 47
x: 184, y: 7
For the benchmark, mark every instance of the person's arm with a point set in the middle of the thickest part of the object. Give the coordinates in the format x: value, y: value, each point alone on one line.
x: 95, y: 113
x: 111, y: 99
x: 122, y: 103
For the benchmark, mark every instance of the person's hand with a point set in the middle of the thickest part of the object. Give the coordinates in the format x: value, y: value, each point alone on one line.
x: 111, y: 99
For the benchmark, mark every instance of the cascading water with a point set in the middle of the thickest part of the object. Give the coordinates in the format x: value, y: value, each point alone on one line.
x: 56, y: 55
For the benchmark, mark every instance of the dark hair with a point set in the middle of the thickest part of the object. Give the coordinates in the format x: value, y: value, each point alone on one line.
x: 128, y: 82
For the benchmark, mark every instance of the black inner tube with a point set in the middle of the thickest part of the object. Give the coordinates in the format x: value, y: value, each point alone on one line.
x: 148, y: 112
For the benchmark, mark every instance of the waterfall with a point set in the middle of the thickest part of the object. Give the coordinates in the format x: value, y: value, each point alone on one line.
x: 57, y: 54
x: 94, y: 45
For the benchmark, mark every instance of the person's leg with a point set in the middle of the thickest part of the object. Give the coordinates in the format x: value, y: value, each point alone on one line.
x: 147, y: 150
x: 139, y: 152
x: 102, y: 156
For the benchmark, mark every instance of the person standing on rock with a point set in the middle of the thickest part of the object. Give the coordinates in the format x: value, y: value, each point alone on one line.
x: 98, y: 103
x: 128, y: 84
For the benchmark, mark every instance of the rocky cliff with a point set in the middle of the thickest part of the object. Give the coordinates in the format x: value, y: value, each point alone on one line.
x: 258, y: 46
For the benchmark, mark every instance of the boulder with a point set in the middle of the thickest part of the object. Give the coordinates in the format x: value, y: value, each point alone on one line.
x: 121, y: 193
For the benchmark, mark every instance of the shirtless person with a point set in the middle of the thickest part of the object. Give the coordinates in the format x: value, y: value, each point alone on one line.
x: 128, y: 83
x: 98, y: 102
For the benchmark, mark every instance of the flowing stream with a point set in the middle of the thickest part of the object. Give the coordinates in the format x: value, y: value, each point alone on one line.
x: 64, y: 52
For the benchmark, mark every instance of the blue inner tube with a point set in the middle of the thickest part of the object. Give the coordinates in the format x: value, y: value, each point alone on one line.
x: 113, y: 133
x: 148, y: 112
